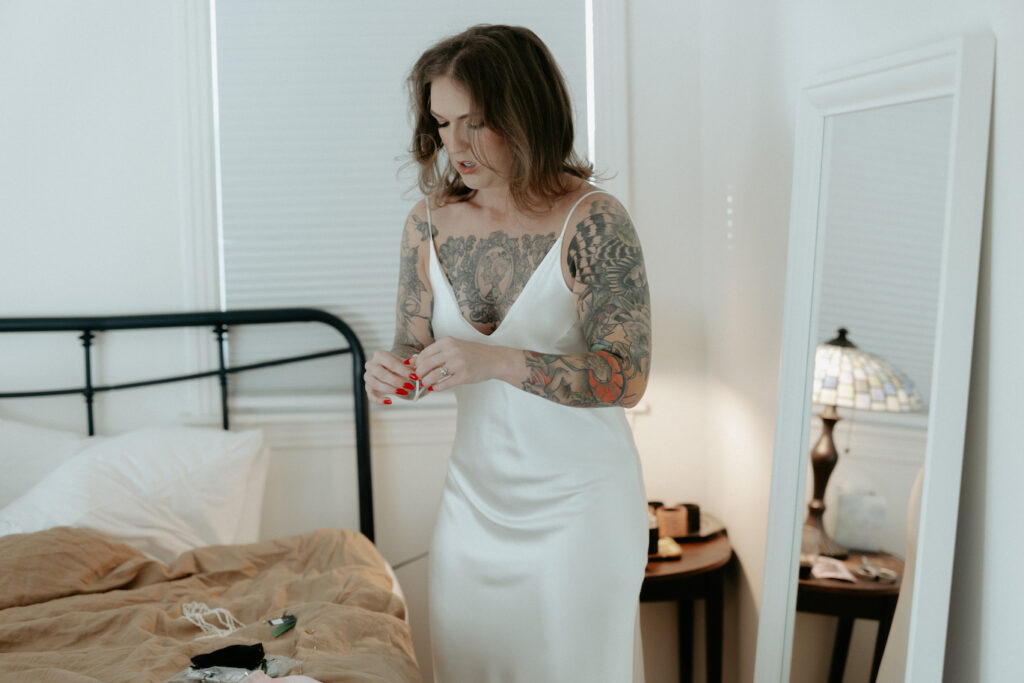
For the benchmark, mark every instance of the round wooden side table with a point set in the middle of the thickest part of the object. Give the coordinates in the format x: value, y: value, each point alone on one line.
x: 863, y: 599
x: 698, y: 575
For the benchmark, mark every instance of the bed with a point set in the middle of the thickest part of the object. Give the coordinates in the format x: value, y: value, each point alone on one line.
x: 122, y: 557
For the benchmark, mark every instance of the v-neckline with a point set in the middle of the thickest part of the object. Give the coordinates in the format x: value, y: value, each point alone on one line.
x: 455, y: 300
x: 451, y: 290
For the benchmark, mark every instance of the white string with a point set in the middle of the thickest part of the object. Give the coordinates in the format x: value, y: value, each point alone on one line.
x: 848, y: 439
x: 196, y: 613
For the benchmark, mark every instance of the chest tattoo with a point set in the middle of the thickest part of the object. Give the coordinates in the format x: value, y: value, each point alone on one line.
x: 488, y: 273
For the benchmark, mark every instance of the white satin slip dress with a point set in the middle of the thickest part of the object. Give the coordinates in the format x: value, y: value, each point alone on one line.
x: 540, y: 545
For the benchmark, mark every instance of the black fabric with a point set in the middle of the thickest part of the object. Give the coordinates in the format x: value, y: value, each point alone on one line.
x: 236, y: 656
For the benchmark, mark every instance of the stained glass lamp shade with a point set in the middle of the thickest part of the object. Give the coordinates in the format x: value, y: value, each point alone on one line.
x: 847, y: 377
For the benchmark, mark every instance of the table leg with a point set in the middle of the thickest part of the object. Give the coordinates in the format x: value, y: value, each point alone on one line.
x: 839, y: 650
x: 685, y: 611
x: 884, y: 624
x: 713, y: 608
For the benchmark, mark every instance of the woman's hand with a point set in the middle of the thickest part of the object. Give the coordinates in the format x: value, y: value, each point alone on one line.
x: 449, y: 362
x: 386, y: 376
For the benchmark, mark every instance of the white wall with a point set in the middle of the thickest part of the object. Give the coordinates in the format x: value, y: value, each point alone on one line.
x: 665, y: 190
x: 94, y: 196
x: 753, y: 57
x: 712, y: 150
x: 985, y: 607
x: 90, y: 144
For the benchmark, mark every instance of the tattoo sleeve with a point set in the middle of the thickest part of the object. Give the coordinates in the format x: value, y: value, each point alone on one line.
x: 415, y: 299
x: 614, y: 308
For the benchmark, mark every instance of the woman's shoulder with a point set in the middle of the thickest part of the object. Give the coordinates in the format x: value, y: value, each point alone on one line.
x: 417, y: 223
x: 431, y: 211
x: 587, y: 193
x: 437, y: 208
x: 591, y: 204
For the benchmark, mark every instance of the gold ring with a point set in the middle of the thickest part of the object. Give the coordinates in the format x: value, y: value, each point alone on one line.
x: 444, y: 371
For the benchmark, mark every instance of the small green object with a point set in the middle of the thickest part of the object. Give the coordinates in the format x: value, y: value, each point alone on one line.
x: 278, y: 630
x: 282, y: 624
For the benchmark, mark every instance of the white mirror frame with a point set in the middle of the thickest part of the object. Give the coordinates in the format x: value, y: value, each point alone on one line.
x: 963, y: 68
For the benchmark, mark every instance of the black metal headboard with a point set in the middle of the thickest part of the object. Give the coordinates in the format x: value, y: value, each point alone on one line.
x: 219, y: 321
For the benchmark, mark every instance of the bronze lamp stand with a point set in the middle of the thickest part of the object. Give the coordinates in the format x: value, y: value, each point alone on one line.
x: 823, y: 461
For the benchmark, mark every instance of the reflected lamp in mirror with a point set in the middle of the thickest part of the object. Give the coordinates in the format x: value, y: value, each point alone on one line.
x: 848, y: 377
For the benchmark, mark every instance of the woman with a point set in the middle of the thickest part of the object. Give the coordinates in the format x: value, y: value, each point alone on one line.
x: 522, y: 288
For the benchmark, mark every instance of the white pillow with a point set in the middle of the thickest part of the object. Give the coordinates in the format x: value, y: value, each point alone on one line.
x: 28, y: 454
x: 163, y: 490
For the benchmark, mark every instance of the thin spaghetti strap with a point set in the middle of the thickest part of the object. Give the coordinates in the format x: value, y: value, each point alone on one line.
x: 569, y: 215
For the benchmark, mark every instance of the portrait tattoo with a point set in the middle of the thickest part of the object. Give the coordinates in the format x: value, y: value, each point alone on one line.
x: 613, y: 303
x: 489, y: 273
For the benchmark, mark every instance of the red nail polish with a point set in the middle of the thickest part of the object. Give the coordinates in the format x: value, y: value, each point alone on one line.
x: 430, y: 388
x: 387, y: 401
x: 406, y: 361
x: 409, y: 385
x: 413, y: 377
x: 401, y: 392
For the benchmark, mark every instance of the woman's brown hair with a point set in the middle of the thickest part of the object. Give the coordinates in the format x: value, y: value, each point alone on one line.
x: 521, y: 94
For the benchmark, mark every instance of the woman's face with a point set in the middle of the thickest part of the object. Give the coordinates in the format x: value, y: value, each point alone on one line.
x: 476, y: 151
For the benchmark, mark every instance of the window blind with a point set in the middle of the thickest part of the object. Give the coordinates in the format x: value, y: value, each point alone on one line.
x: 313, y: 130
x: 884, y: 204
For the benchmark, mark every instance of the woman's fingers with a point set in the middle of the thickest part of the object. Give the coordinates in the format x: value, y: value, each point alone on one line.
x: 387, y: 376
x: 445, y: 376
x: 449, y: 362
x: 443, y: 365
x: 426, y: 363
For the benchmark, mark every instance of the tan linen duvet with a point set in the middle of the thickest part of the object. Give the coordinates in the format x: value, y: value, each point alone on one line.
x: 76, y: 605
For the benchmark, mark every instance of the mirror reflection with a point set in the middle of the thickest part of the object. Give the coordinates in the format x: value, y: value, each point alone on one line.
x: 881, y: 213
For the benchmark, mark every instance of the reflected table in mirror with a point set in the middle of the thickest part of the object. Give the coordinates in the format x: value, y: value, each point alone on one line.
x: 863, y: 599
x: 697, y: 575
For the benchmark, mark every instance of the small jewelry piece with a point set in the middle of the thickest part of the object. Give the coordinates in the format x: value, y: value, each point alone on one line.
x: 871, y: 571
x: 444, y: 371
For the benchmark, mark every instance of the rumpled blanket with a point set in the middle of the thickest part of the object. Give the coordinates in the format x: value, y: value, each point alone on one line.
x: 78, y: 606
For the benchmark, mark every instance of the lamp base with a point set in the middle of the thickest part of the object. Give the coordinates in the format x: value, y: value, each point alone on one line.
x: 823, y: 460
x: 826, y: 546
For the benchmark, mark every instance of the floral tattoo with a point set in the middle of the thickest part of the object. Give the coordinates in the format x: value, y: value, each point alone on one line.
x: 613, y: 302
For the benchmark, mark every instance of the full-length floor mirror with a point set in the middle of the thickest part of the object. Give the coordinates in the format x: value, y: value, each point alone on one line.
x: 886, y: 216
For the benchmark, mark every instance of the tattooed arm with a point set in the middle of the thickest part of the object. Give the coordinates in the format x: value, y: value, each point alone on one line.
x: 386, y: 375
x: 415, y: 298
x: 613, y: 303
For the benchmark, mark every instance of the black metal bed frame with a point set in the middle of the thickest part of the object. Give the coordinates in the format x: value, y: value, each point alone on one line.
x: 220, y: 321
